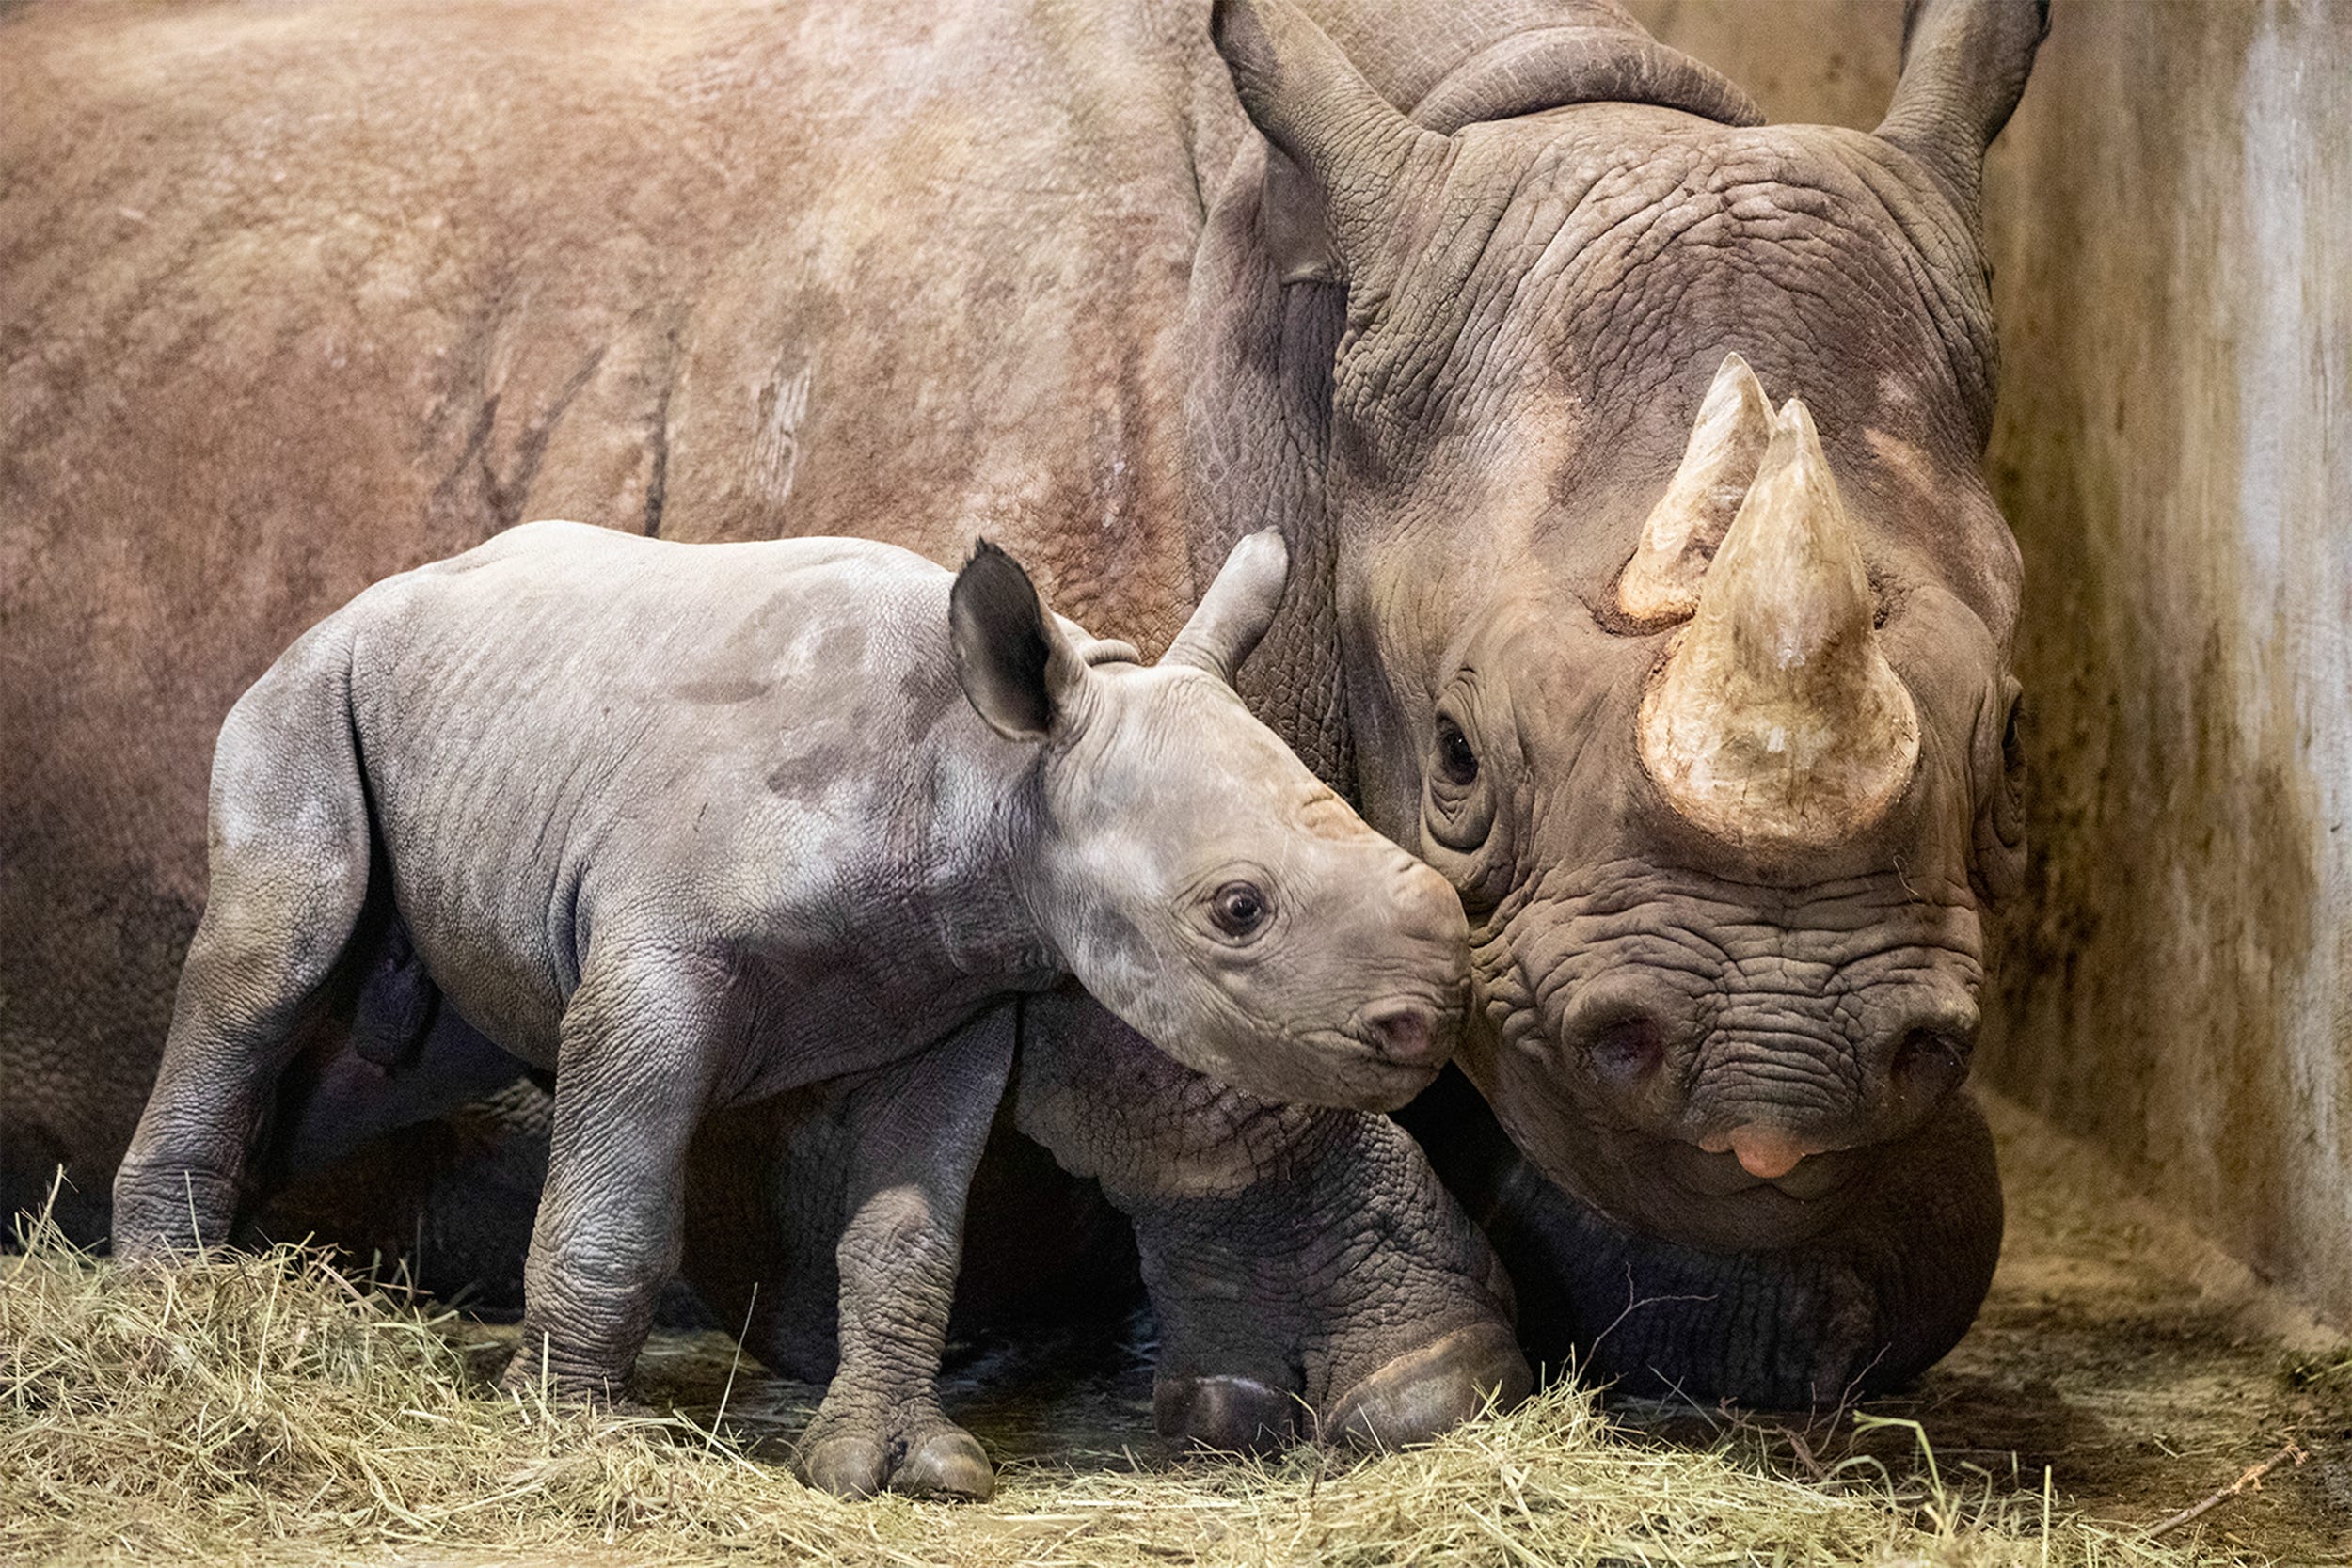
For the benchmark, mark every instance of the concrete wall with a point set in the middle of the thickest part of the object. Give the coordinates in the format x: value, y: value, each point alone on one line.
x: 2170, y: 218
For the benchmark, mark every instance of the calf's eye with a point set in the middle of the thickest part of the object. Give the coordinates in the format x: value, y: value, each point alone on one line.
x: 1455, y: 757
x: 1238, y: 908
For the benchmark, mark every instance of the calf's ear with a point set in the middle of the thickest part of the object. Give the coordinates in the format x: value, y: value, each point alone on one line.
x: 1238, y: 608
x: 1015, y: 666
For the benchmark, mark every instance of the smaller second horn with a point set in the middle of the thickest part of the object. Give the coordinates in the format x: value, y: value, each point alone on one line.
x: 1660, y: 584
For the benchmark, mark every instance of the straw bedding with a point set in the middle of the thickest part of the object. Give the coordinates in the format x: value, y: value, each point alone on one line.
x: 267, y: 1408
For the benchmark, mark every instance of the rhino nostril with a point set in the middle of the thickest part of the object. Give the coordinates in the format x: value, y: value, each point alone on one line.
x: 1404, y: 1031
x: 1626, y: 1047
x: 1928, y: 1063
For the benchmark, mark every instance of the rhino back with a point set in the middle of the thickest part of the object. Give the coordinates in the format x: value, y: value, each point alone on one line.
x: 730, y: 748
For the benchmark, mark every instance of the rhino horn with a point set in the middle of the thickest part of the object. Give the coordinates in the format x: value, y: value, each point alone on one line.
x: 1236, y: 612
x: 1660, y: 584
x: 1775, y: 721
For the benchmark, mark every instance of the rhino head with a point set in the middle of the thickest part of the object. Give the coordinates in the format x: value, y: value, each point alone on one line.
x: 1190, y: 871
x: 1701, y: 706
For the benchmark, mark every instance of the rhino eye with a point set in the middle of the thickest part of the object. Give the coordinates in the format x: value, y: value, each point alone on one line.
x: 1238, y: 908
x: 1455, y: 759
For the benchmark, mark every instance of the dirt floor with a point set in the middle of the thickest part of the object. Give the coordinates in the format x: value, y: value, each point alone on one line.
x: 2143, y: 1369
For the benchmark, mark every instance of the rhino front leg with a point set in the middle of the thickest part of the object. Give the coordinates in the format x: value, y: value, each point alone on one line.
x: 1307, y: 1266
x: 641, y: 1044
x: 916, y: 1130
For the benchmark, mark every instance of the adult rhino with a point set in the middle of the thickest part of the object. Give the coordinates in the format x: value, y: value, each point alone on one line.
x: 1442, y: 290
x: 1704, y: 709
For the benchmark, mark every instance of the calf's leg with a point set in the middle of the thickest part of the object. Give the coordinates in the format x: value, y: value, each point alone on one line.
x: 289, y: 877
x: 918, y: 1129
x: 916, y: 1138
x: 642, y: 1043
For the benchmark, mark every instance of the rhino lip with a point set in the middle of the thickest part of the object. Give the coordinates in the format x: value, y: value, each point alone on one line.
x: 1706, y: 1174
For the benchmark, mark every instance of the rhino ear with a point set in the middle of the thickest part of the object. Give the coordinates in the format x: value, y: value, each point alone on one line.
x: 1238, y: 608
x: 1964, y: 67
x: 1297, y: 236
x: 1015, y: 666
x: 1336, y: 146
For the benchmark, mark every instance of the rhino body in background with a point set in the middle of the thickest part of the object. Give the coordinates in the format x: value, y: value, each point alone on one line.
x: 731, y: 273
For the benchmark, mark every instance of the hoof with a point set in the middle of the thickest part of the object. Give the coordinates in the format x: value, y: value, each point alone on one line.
x: 847, y: 1467
x: 1422, y: 1393
x: 1231, y: 1415
x: 942, y: 1462
x: 527, y: 1379
x: 949, y: 1464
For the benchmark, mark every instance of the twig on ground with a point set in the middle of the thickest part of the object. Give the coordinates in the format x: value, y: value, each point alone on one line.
x: 2250, y: 1481
x: 1633, y: 1305
x: 1804, y: 1452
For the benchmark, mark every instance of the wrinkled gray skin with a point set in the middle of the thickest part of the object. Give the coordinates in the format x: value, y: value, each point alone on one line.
x: 1533, y: 307
x: 722, y: 275
x: 697, y: 825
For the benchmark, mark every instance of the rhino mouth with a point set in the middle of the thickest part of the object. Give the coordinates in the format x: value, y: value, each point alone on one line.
x: 1346, y: 1067
x: 1712, y: 1175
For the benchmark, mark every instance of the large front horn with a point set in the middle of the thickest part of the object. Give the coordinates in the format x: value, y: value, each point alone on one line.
x: 1776, y: 721
x: 1687, y: 526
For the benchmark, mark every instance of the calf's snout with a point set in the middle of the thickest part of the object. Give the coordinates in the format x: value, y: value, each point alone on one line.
x: 1408, y: 1033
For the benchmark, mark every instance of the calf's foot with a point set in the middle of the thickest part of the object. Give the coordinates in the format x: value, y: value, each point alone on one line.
x: 546, y: 1366
x: 912, y: 1449
x: 170, y: 1211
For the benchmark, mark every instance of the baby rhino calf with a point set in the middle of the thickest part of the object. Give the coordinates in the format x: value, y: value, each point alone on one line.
x: 692, y: 825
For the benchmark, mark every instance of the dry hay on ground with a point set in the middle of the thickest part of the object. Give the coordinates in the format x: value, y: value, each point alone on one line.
x: 267, y: 1409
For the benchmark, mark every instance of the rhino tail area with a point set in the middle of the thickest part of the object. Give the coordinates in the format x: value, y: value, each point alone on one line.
x: 298, y: 733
